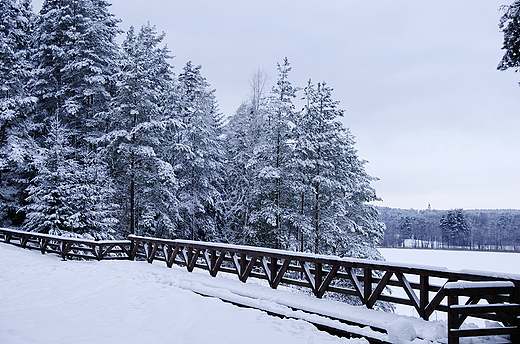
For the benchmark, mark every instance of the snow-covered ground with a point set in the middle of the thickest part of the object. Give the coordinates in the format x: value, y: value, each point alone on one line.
x: 46, y: 300
x: 468, y: 261
x: 507, y: 262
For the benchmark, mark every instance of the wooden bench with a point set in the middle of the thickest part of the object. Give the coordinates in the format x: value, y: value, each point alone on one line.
x: 502, y: 307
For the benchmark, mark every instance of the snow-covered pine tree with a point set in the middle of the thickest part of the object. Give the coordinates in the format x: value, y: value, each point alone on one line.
x: 334, y: 187
x: 74, y: 53
x: 66, y: 197
x: 275, y: 190
x: 134, y: 146
x: 16, y: 20
x: 455, y: 228
x: 244, y: 141
x: 197, y: 157
x: 510, y: 26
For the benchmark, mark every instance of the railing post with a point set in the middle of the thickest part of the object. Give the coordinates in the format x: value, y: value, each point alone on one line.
x: 367, y: 284
x: 318, y: 278
x: 453, y: 321
x: 424, y: 296
x: 131, y: 253
x: 213, y: 258
x: 274, y: 271
x: 243, y: 264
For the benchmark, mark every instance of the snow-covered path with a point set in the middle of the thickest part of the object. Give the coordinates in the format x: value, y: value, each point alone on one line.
x: 46, y: 300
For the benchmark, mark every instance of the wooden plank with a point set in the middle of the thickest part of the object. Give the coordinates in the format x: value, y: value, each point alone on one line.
x: 327, y: 281
x: 152, y: 252
x: 97, y: 251
x: 482, y: 308
x: 167, y: 251
x: 23, y: 240
x: 480, y: 291
x: 247, y: 270
x: 110, y: 248
x: 135, y: 248
x: 184, y: 252
x: 265, y: 266
x: 460, y: 318
x: 435, y: 302
x: 43, y: 244
x: 193, y: 258
x: 409, y: 291
x: 125, y: 250
x: 355, y: 282
x: 308, y: 275
x: 218, y: 263
x: 237, y: 264
x: 488, y: 331
x: 370, y: 302
x: 280, y: 273
x: 64, y: 249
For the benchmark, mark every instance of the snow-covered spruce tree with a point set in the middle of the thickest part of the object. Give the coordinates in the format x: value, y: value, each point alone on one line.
x: 455, y: 228
x: 66, y: 197
x: 197, y: 157
x: 134, y: 145
x: 510, y: 26
x: 334, y: 188
x: 74, y: 50
x: 271, y: 214
x: 244, y: 142
x: 16, y: 20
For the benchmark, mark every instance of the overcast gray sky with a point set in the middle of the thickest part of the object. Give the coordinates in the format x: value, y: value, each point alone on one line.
x: 418, y: 80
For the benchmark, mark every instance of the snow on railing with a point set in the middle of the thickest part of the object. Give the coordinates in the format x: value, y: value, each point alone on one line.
x: 428, y: 289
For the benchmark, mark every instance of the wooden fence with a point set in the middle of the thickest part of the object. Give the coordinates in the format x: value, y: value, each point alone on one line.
x: 427, y: 289
x: 68, y: 247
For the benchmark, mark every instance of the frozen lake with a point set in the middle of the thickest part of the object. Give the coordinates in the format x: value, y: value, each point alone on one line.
x: 508, y: 262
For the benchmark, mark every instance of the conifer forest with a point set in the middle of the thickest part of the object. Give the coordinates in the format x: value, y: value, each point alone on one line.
x: 100, y: 140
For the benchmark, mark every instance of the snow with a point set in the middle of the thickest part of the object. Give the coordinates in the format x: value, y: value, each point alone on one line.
x: 47, y: 300
x: 471, y: 285
x: 503, y: 263
x: 401, y: 331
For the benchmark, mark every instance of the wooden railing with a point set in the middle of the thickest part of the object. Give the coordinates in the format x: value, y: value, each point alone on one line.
x: 424, y: 288
x: 68, y: 247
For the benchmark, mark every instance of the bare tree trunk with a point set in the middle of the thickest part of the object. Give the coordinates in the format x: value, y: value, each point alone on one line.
x: 132, y: 206
x: 317, y: 219
x: 300, y: 228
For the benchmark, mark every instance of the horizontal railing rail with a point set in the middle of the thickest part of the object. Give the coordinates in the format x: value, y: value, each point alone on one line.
x: 425, y: 288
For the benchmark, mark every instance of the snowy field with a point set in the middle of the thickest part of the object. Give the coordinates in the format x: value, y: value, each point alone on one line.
x: 468, y: 261
x: 49, y: 301
x: 507, y: 262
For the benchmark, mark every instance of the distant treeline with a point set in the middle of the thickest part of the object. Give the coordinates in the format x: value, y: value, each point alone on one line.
x: 496, y: 229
